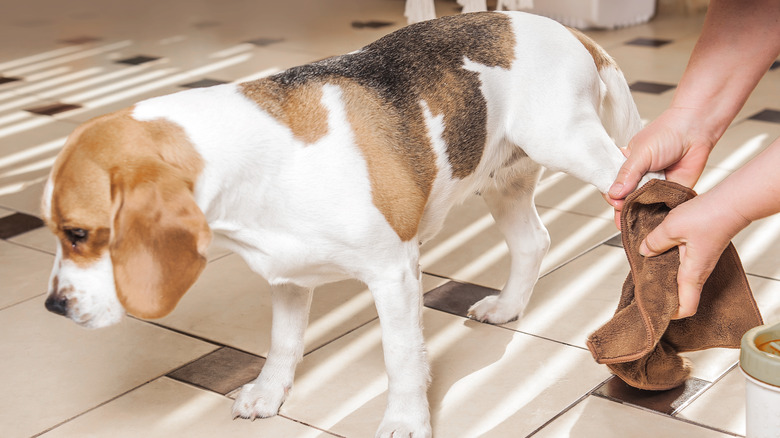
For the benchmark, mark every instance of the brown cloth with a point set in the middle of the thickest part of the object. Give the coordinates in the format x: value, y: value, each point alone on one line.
x: 640, y: 344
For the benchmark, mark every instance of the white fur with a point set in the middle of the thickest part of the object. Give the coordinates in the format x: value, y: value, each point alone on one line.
x: 90, y: 290
x: 302, y: 215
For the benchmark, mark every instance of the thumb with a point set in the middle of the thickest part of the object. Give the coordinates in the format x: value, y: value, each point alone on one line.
x: 630, y: 173
x: 657, y: 242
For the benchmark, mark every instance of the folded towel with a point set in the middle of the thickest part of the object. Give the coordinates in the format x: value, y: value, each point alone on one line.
x: 640, y: 344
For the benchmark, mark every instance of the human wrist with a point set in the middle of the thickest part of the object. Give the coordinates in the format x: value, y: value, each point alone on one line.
x: 725, y: 212
x: 703, y: 123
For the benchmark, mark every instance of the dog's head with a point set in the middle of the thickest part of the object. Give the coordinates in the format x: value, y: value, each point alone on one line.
x: 130, y: 237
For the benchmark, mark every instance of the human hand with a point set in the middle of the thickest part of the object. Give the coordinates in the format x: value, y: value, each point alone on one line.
x: 702, y: 229
x: 674, y: 143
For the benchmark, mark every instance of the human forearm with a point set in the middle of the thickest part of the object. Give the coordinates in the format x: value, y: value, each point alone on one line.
x: 752, y: 191
x: 739, y: 41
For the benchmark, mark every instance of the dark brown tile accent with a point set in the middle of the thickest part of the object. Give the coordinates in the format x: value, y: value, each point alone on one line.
x: 18, y: 223
x: 371, y: 24
x: 263, y: 42
x: 616, y: 241
x: 221, y: 371
x: 648, y: 42
x: 651, y: 87
x: 665, y: 402
x: 50, y: 110
x: 81, y: 40
x: 455, y: 297
x: 767, y: 115
x: 138, y: 60
x: 203, y: 83
x: 8, y: 80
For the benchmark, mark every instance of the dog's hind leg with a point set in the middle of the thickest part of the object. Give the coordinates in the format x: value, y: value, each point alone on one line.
x: 512, y: 206
x: 397, y: 291
x: 263, y: 396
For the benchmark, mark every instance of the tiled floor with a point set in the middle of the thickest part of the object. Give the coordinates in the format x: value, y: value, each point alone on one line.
x: 62, y: 63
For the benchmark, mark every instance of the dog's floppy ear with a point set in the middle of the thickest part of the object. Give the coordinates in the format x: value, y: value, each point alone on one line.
x: 159, y: 237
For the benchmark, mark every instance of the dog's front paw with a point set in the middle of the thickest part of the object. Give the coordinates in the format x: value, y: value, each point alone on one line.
x: 491, y: 310
x: 258, y: 401
x: 402, y: 429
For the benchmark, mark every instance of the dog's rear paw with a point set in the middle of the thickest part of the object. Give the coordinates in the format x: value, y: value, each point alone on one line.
x: 258, y: 401
x: 491, y: 310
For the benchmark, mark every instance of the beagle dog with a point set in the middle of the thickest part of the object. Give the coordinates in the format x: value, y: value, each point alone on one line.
x: 340, y: 168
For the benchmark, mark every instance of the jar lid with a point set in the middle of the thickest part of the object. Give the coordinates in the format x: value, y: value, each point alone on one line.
x: 759, y: 356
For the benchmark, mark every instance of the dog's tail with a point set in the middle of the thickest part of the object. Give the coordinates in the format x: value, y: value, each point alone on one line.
x: 618, y: 111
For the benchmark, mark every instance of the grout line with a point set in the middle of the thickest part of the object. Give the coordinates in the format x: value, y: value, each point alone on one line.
x: 443, y: 277
x: 190, y: 335
x: 541, y: 337
x: 568, y: 408
x: 703, y: 426
x: 101, y: 404
x: 682, y: 420
x: 765, y: 277
x: 22, y: 301
x: 310, y: 425
x: 340, y: 336
x: 587, y: 251
x: 703, y: 390
x: 671, y: 416
x: 22, y: 245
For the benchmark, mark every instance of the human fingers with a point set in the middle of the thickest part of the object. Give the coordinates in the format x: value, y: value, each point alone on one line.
x: 637, y: 163
x: 695, y: 268
x: 691, y: 275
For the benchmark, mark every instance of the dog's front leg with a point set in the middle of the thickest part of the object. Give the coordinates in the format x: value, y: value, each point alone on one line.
x: 398, y: 299
x: 263, y: 396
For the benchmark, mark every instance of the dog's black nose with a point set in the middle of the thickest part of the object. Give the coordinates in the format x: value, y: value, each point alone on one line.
x: 57, y: 305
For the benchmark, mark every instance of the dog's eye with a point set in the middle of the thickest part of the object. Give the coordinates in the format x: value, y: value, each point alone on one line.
x: 76, y: 235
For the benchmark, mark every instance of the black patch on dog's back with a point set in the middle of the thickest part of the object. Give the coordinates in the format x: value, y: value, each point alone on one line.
x: 424, y: 62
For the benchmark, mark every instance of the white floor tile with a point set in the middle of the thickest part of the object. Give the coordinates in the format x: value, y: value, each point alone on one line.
x: 722, y: 405
x: 231, y: 305
x: 597, y: 417
x: 23, y: 272
x: 166, y: 408
x: 487, y: 381
x: 471, y: 248
x: 54, y: 370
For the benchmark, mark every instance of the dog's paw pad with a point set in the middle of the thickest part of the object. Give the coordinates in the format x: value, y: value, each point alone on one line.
x: 491, y: 310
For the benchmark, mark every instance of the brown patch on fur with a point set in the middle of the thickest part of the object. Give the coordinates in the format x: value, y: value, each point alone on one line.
x: 600, y: 57
x: 129, y: 184
x: 160, y: 237
x: 299, y: 108
x: 384, y: 86
x: 421, y: 62
x: 400, y: 176
x: 455, y: 92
